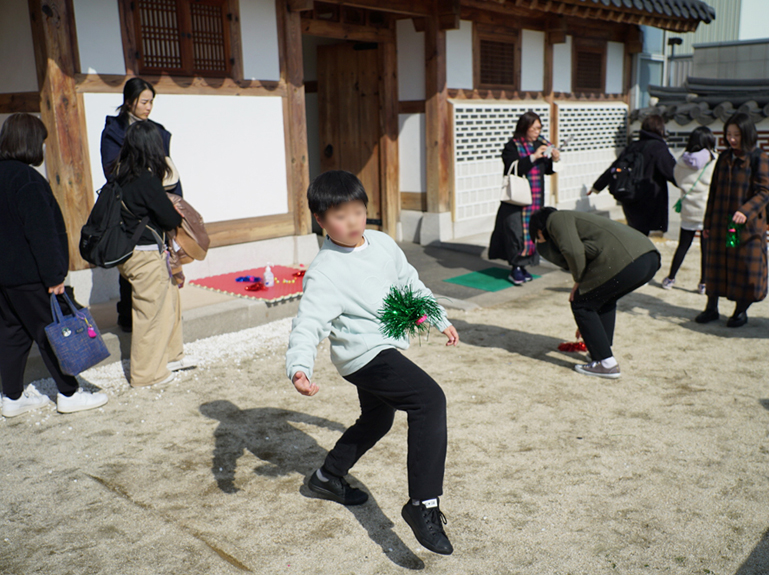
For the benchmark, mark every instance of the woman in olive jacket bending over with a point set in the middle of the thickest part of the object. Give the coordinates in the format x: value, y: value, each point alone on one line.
x: 607, y: 260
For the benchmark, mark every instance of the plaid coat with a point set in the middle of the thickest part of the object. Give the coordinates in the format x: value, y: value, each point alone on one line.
x: 738, y: 273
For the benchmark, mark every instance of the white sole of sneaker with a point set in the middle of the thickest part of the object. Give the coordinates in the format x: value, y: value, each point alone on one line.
x: 16, y: 411
x: 77, y: 408
x: 581, y: 370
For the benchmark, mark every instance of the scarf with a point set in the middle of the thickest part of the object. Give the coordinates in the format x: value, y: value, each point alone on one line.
x: 536, y: 181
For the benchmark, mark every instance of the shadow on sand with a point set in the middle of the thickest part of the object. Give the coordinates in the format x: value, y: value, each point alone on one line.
x: 528, y: 344
x: 757, y: 562
x: 268, y: 433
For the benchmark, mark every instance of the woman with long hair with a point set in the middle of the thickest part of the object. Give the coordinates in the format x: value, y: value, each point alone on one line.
x: 156, y: 343
x: 34, y: 261
x: 693, y: 173
x: 510, y: 240
x: 138, y: 101
x: 736, y: 266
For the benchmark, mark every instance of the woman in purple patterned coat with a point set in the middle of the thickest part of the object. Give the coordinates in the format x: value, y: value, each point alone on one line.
x: 510, y: 240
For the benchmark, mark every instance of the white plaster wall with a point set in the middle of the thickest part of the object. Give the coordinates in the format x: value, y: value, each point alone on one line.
x: 259, y: 36
x: 562, y: 66
x: 411, y: 152
x: 615, y: 67
x: 459, y: 56
x: 98, y: 37
x: 230, y: 151
x: 18, y: 72
x: 532, y: 60
x: 411, y: 61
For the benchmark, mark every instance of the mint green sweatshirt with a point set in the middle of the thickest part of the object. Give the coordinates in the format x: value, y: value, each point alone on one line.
x: 343, y: 291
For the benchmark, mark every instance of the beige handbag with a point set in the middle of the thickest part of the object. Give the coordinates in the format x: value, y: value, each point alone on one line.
x: 516, y: 189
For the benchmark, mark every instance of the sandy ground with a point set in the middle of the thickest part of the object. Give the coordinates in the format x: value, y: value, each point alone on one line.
x: 548, y: 472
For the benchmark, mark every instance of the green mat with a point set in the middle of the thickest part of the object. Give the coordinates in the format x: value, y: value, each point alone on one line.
x: 490, y: 279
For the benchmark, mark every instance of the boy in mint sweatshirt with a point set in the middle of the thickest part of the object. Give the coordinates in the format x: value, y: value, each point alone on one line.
x: 344, y: 288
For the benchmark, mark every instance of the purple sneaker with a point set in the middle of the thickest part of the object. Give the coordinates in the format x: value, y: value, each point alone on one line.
x: 517, y: 276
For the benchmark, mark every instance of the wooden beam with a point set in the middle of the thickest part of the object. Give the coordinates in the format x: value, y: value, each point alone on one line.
x: 295, y: 120
x: 28, y: 102
x: 343, y: 31
x: 404, y: 7
x: 416, y: 201
x: 411, y: 107
x: 389, y: 169
x: 113, y: 84
x: 436, y: 119
x: 250, y: 229
x: 300, y: 5
x: 448, y: 12
x: 62, y: 112
x: 236, y: 40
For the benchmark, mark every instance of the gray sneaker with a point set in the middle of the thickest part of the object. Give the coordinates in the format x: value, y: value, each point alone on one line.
x: 596, y: 369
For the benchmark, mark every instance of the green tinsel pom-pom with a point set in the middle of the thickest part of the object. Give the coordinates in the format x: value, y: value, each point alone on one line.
x: 406, y: 313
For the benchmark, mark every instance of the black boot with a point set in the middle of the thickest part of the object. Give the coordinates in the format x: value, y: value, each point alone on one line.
x: 427, y: 525
x: 740, y: 316
x: 711, y: 311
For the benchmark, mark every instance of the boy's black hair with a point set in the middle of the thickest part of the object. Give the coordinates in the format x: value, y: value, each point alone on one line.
x: 333, y: 188
x: 539, y: 222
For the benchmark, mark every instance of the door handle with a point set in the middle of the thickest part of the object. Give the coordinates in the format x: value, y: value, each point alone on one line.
x: 328, y: 151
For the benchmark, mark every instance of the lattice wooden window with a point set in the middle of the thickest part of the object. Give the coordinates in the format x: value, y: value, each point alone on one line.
x: 496, y: 59
x: 589, y: 66
x: 182, y: 37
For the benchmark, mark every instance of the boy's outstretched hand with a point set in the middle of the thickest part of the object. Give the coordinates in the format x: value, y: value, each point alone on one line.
x: 451, y: 333
x: 304, y: 385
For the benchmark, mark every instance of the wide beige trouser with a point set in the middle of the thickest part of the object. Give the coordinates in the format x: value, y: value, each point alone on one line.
x: 157, y: 317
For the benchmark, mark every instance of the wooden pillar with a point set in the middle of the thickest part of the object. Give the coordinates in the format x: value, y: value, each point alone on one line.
x: 436, y: 118
x: 62, y: 111
x: 549, y: 98
x: 295, y: 121
x: 388, y: 142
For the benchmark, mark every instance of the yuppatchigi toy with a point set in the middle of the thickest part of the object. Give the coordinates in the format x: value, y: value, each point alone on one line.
x: 572, y: 346
x: 405, y: 312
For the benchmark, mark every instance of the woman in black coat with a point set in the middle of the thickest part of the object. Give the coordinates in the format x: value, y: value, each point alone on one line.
x: 138, y: 99
x: 651, y: 211
x: 34, y: 261
x: 510, y: 239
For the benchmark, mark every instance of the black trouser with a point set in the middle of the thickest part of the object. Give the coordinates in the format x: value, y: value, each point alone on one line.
x: 125, y: 305
x: 388, y: 382
x: 596, y: 311
x: 24, y: 313
x: 684, y: 243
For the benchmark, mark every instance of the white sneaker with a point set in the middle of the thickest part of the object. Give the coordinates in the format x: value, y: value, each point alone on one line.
x: 186, y: 362
x: 80, y: 401
x: 28, y: 401
x: 668, y: 283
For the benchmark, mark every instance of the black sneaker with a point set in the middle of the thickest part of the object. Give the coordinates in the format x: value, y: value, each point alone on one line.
x: 337, y: 489
x: 427, y: 525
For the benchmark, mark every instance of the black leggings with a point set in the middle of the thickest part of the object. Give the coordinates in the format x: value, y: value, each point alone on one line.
x: 684, y: 243
x: 391, y: 382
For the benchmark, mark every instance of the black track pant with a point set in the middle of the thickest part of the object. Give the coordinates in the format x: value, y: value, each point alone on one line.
x: 596, y: 311
x: 388, y: 383
x: 24, y: 313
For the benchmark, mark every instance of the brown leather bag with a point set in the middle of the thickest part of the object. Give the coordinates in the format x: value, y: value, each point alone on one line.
x: 191, y: 235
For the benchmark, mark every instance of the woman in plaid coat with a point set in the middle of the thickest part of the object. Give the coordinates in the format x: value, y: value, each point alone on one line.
x: 739, y: 194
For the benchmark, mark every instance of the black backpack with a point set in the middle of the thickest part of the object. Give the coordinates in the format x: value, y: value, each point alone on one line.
x: 104, y: 240
x: 627, y: 183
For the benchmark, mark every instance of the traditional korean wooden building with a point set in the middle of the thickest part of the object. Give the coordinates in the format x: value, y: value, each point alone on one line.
x: 415, y: 96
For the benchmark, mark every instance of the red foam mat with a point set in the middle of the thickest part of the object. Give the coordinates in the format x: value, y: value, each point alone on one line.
x: 287, y: 285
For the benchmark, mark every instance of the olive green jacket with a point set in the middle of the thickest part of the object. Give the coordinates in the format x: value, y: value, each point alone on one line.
x: 593, y: 248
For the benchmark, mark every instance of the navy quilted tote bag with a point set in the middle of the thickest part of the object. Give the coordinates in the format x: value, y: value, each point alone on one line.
x: 75, y: 339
